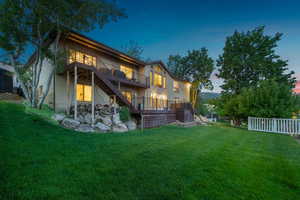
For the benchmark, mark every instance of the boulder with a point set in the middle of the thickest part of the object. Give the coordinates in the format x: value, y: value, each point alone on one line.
x: 58, y: 117
x: 119, y: 128
x: 105, y: 120
x: 203, y: 119
x: 131, y: 125
x: 81, y: 118
x: 70, y: 123
x: 116, y: 119
x: 86, y: 128
x: 101, y: 127
x: 88, y: 118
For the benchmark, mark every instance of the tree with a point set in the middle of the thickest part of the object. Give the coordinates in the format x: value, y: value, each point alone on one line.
x: 133, y: 49
x: 269, y: 99
x: 195, y: 67
x: 37, y: 26
x: 249, y: 58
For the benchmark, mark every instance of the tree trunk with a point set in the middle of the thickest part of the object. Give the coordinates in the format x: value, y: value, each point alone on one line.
x: 48, y: 83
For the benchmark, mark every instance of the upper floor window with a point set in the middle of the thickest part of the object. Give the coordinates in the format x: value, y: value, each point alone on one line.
x: 158, y: 80
x: 84, y: 92
x: 128, y: 95
x: 76, y: 56
x: 175, y: 86
x: 127, y: 71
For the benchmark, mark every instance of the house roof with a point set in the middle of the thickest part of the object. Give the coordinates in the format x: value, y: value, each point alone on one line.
x: 77, y: 37
x: 159, y: 62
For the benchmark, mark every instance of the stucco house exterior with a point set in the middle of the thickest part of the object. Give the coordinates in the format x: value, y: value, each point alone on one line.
x: 98, y: 74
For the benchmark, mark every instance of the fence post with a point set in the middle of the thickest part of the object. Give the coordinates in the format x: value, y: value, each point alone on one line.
x: 274, y: 125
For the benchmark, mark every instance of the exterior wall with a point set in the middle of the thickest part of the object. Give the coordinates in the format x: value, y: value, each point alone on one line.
x: 184, y: 88
x: 61, y: 97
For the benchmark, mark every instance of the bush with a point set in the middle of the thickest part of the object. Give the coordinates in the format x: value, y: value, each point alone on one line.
x: 269, y: 99
x: 124, y: 114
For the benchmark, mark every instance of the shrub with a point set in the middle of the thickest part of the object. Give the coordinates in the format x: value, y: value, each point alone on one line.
x: 124, y: 114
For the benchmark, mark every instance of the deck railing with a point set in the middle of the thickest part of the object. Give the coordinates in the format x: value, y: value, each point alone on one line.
x: 274, y: 125
x: 156, y: 104
x: 117, y: 75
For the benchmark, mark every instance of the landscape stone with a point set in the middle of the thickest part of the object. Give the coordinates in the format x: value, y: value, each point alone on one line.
x: 86, y: 128
x: 101, y: 127
x: 70, y: 123
x: 131, y: 125
x: 58, y: 117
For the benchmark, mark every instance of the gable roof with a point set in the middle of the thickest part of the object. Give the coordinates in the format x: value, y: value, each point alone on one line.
x: 159, y: 62
x: 84, y: 40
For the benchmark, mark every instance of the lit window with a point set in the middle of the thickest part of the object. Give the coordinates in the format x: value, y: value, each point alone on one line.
x: 151, y: 78
x: 76, y: 56
x: 158, y: 101
x: 164, y: 82
x: 84, y: 92
x: 128, y: 95
x: 175, y: 86
x: 127, y: 71
x: 158, y: 80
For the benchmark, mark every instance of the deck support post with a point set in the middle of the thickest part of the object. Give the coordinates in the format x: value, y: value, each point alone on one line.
x: 68, y: 93
x: 143, y: 103
x: 93, y: 98
x: 75, y: 93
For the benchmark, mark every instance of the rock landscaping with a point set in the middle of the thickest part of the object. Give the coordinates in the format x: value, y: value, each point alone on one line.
x: 107, y: 119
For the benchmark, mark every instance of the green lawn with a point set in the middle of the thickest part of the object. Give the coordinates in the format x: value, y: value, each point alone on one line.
x: 39, y: 160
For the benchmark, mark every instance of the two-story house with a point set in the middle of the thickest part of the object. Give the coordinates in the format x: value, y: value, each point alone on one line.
x: 97, y: 74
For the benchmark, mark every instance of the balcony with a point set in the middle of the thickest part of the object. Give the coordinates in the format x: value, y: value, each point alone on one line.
x: 117, y: 76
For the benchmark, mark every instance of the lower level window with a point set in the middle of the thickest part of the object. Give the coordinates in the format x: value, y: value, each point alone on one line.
x: 84, y: 92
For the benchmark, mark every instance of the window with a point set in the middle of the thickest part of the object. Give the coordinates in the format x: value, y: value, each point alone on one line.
x: 158, y: 101
x: 151, y: 78
x: 76, y: 56
x: 84, y: 92
x: 175, y: 86
x: 127, y: 71
x: 128, y: 95
x: 164, y: 82
x: 158, y: 80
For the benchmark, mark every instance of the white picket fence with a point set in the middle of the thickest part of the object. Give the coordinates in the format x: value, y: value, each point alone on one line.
x: 274, y: 125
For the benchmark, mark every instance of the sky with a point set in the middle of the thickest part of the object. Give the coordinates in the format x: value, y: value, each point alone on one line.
x: 168, y: 27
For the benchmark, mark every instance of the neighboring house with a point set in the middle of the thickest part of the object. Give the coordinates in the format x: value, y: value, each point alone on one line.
x: 297, y: 88
x: 8, y: 79
x: 153, y: 95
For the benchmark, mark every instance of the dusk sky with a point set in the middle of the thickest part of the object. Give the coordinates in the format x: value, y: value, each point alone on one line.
x: 164, y: 27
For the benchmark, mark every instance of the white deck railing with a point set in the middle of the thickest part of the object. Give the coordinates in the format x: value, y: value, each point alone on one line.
x: 274, y: 125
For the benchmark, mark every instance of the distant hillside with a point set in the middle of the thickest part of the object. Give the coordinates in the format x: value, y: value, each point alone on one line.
x: 205, y: 96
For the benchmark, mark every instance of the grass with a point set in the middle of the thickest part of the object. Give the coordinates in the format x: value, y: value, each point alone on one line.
x: 39, y: 160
